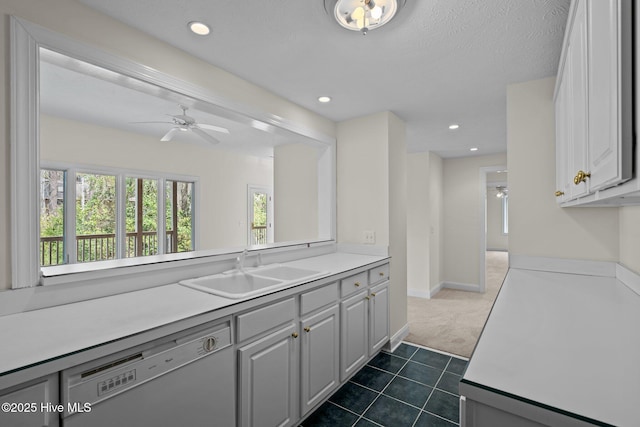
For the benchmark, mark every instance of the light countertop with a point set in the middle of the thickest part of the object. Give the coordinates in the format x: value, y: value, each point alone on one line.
x: 565, y: 341
x: 33, y: 337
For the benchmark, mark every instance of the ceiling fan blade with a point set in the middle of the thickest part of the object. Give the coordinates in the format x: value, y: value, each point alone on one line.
x: 212, y: 127
x: 204, y: 135
x: 169, y: 135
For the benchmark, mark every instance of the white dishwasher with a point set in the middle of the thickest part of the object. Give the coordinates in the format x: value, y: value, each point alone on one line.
x: 184, y: 379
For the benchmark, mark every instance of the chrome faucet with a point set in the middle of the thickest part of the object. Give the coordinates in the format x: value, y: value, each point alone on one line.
x: 240, y: 261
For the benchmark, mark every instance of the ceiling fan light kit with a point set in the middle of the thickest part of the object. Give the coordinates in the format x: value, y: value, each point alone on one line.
x: 363, y: 15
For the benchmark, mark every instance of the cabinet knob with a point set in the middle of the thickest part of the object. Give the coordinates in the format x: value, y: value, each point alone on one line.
x: 559, y: 193
x: 295, y: 335
x: 373, y: 294
x: 307, y: 329
x: 381, y: 273
x: 367, y: 297
x: 357, y: 284
x: 581, y: 177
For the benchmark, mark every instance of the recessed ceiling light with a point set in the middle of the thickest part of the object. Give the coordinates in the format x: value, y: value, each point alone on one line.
x: 454, y: 126
x: 199, y: 28
x: 473, y: 149
x: 324, y: 99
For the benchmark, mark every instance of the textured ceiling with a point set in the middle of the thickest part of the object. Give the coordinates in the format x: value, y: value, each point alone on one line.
x: 438, y: 62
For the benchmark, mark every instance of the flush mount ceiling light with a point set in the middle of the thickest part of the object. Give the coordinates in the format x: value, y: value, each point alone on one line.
x: 454, y: 126
x: 324, y: 99
x: 363, y: 15
x: 473, y: 149
x: 199, y: 28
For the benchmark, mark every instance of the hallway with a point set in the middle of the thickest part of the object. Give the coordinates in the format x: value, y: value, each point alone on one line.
x: 452, y: 320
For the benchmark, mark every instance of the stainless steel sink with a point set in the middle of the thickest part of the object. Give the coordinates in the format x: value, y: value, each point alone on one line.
x: 236, y: 285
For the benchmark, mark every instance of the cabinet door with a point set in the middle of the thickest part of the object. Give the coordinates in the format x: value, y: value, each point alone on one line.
x: 320, y: 363
x: 268, y: 378
x: 378, y: 317
x: 353, y: 334
x: 610, y: 102
x: 576, y: 97
x: 33, y: 394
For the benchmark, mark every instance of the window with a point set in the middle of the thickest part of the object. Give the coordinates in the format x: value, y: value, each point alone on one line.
x: 92, y: 231
x: 505, y: 214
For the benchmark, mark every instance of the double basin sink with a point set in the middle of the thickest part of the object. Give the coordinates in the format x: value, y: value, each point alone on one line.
x: 253, y: 282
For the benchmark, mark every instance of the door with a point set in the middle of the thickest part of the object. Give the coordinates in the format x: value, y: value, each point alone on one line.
x: 260, y: 218
x: 378, y: 317
x: 610, y: 106
x: 353, y: 334
x: 320, y: 356
x: 268, y: 378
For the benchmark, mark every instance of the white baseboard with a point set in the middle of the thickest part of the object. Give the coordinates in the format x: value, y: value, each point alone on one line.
x: 461, y: 286
x: 425, y: 294
x: 418, y: 293
x: 397, y: 338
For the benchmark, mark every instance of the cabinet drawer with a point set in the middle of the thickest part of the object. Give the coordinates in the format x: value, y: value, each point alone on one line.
x: 257, y: 321
x: 379, y: 274
x: 353, y: 284
x: 317, y: 298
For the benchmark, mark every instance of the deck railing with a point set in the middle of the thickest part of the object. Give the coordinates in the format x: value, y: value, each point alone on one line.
x: 258, y: 234
x: 100, y: 247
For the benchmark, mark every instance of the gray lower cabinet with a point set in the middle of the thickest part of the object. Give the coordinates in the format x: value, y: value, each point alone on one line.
x: 320, y: 357
x: 268, y: 378
x: 32, y: 404
x: 378, y: 317
x: 354, y: 342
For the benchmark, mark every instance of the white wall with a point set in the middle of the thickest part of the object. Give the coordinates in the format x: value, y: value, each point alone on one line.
x: 462, y: 222
x: 424, y: 223
x: 363, y: 179
x: 630, y: 237
x: 496, y: 240
x: 295, y: 192
x: 371, y: 178
x: 537, y: 225
x: 105, y: 33
x: 223, y: 174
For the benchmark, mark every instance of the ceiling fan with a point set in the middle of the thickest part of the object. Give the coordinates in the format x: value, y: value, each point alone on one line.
x: 184, y: 123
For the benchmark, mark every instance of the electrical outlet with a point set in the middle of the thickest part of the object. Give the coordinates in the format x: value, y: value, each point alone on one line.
x: 369, y: 237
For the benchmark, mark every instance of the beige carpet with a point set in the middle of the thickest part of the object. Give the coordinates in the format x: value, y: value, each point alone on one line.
x: 452, y: 320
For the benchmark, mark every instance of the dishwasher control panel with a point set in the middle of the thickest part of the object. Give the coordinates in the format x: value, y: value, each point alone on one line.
x: 106, y: 378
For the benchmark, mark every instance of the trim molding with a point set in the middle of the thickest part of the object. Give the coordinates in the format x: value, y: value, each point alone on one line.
x: 562, y: 265
x: 397, y: 338
x: 425, y: 294
x: 470, y: 287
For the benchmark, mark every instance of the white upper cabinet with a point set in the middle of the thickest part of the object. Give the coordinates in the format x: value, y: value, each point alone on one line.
x: 594, y: 105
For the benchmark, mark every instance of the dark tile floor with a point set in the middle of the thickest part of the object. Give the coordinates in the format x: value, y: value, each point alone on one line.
x: 412, y: 387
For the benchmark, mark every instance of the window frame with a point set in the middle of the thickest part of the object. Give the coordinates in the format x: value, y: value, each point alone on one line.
x: 26, y: 39
x: 71, y: 172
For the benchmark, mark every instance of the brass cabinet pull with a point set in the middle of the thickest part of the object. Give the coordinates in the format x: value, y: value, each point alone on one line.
x: 373, y: 294
x: 559, y: 193
x: 581, y: 177
x: 295, y: 335
x: 307, y: 329
x: 382, y: 273
x: 357, y: 284
x: 367, y: 298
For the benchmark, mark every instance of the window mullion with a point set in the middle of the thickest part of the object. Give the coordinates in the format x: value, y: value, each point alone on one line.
x: 162, y: 226
x: 121, y: 224
x: 71, y: 248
